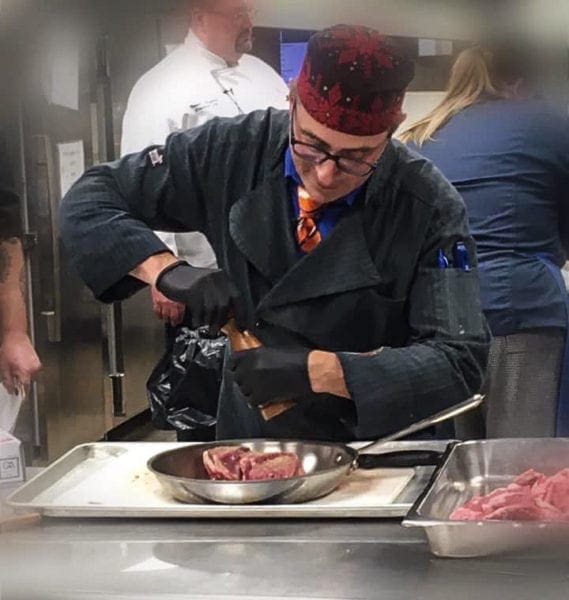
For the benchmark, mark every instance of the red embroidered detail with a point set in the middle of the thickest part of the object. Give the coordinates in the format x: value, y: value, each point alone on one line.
x: 353, y: 80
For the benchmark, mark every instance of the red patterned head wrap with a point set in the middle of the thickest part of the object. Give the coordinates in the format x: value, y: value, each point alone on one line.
x: 353, y: 80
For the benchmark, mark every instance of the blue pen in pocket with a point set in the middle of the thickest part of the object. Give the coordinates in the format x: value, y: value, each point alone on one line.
x: 442, y: 260
x: 461, y: 257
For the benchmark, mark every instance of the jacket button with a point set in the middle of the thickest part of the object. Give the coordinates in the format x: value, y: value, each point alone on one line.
x: 259, y: 324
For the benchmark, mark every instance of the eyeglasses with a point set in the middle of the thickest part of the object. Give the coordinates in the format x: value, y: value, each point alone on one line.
x: 318, y: 156
x: 238, y: 16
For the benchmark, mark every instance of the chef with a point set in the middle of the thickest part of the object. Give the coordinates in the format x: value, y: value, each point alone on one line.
x: 210, y: 75
x: 346, y: 254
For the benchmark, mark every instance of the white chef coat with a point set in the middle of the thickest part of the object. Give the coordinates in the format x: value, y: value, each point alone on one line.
x: 187, y: 88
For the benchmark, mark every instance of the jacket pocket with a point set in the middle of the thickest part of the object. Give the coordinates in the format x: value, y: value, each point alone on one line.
x: 447, y: 302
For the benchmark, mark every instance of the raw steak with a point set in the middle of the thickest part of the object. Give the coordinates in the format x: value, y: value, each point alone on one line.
x: 237, y: 463
x: 531, y: 497
x: 270, y: 465
x: 222, y: 463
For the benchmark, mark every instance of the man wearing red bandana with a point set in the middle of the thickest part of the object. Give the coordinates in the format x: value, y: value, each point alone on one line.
x: 345, y: 254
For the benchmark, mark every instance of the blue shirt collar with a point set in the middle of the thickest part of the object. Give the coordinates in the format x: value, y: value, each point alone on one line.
x: 292, y: 173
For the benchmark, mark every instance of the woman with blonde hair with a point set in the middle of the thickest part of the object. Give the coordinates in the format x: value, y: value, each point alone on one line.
x: 507, y: 153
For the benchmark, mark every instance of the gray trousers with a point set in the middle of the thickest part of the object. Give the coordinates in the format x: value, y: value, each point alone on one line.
x: 521, y: 387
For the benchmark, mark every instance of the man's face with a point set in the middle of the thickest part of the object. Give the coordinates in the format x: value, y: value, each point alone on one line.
x: 228, y: 27
x: 326, y: 182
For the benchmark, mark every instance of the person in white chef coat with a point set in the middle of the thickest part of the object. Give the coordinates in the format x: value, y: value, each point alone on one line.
x: 210, y: 75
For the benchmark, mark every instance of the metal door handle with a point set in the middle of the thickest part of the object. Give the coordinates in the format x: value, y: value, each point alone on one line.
x: 115, y: 358
x: 51, y: 320
x: 117, y: 380
x: 102, y: 117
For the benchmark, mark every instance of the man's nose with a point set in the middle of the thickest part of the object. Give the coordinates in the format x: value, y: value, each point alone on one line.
x: 327, y: 172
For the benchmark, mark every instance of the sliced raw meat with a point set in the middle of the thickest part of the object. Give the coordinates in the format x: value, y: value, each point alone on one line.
x: 529, y: 478
x: 532, y: 497
x: 504, y: 497
x: 270, y: 465
x: 525, y: 511
x: 475, y: 504
x: 222, y: 463
x: 548, y: 512
x: 555, y: 491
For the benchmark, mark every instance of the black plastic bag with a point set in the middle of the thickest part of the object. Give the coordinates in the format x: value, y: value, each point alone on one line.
x: 183, y: 388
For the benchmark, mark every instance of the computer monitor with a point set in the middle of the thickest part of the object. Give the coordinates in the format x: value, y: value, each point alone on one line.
x: 293, y: 45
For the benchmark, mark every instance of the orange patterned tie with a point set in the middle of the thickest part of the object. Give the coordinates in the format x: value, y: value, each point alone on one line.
x: 307, y: 230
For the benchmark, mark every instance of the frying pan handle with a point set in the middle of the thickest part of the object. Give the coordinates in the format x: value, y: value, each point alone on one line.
x: 404, y: 459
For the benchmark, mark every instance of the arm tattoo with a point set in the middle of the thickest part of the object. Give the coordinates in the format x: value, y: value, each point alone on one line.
x: 23, y: 282
x: 5, y: 261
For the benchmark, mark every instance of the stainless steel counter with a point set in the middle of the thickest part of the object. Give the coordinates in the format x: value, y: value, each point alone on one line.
x: 258, y: 560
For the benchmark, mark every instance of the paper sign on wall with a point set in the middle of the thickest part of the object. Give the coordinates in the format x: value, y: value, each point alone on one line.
x: 71, y: 164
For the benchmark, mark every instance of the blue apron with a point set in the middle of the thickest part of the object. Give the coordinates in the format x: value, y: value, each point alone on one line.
x: 562, y: 427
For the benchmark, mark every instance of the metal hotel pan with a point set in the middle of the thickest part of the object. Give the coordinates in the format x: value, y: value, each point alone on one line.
x: 477, y: 468
x: 182, y: 474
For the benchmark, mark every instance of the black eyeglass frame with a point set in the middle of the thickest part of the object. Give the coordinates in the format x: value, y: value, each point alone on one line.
x: 335, y: 158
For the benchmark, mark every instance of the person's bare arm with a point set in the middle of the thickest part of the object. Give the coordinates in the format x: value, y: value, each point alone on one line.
x: 149, y: 270
x: 12, y: 306
x: 18, y: 359
x: 326, y: 374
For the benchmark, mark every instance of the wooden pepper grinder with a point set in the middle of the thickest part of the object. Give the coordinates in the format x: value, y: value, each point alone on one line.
x: 245, y: 340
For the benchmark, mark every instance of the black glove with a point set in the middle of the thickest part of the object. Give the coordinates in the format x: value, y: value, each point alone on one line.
x: 266, y: 375
x: 209, y: 294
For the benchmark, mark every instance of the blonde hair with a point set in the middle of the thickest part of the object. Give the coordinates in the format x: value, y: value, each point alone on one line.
x: 470, y: 80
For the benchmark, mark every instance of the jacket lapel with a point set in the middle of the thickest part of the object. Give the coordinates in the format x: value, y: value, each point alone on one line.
x: 260, y: 222
x: 261, y: 225
x: 340, y: 263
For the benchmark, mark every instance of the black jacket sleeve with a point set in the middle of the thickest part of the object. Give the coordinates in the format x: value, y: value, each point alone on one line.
x: 108, y: 217
x: 445, y: 360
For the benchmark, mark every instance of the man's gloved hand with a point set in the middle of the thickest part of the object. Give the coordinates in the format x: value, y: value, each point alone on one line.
x: 209, y: 294
x: 266, y: 375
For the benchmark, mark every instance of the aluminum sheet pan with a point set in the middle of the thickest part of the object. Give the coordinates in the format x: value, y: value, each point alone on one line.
x: 477, y: 468
x: 111, y: 480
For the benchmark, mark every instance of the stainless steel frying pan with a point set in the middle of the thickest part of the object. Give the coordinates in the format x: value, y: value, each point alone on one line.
x: 182, y: 474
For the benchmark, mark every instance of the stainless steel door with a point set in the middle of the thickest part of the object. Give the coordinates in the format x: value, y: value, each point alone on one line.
x: 66, y: 317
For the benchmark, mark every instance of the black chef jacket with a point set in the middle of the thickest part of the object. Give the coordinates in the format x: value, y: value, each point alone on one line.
x: 410, y: 335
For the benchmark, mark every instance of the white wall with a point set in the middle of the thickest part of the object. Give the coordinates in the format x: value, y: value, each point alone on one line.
x: 418, y: 104
x: 415, y: 18
x: 444, y: 19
